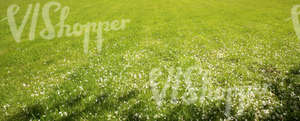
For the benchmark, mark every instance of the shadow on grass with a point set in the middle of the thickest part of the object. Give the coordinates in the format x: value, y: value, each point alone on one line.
x: 91, y: 107
x: 288, y: 94
x: 36, y: 111
x: 69, y: 103
x: 101, y: 105
x: 31, y: 112
x: 130, y: 114
x: 192, y: 112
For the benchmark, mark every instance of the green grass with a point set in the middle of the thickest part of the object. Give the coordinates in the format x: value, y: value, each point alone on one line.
x: 240, y: 42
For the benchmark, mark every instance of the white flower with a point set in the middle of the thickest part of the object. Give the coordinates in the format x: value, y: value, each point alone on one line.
x: 81, y: 88
x: 60, y: 113
x: 6, y: 106
x: 266, y: 111
x: 65, y: 113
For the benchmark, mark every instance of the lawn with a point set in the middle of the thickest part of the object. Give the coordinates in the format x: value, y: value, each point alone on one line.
x: 247, y: 52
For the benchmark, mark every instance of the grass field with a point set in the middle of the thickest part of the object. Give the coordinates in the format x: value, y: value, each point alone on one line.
x: 244, y: 45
